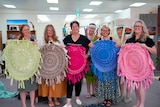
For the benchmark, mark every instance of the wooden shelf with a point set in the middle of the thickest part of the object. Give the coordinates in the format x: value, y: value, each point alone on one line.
x: 16, y: 34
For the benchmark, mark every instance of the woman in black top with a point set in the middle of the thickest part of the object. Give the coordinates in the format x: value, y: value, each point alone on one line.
x: 78, y: 39
x: 140, y: 35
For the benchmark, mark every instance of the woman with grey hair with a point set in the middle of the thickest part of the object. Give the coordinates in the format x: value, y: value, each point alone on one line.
x: 90, y: 77
x: 107, y: 89
x: 140, y: 35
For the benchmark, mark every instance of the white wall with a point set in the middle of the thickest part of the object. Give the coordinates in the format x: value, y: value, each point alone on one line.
x: 136, y: 11
x: 58, y: 23
x: 126, y: 18
x: 135, y: 15
x: 39, y: 26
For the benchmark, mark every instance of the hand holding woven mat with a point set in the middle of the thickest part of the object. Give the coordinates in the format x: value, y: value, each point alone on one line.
x: 104, y: 58
x: 135, y: 65
x: 54, y: 66
x: 77, y: 63
x: 22, y: 60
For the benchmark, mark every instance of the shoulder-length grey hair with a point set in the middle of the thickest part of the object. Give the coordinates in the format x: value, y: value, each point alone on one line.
x: 144, y: 34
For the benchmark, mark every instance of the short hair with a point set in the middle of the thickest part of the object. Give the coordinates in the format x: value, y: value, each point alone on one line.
x: 92, y: 25
x: 120, y: 27
x: 73, y: 23
x: 104, y: 26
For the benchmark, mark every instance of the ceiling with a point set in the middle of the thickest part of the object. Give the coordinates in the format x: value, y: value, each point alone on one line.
x: 74, y: 6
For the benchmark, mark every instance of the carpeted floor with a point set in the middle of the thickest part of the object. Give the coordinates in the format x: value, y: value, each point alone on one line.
x: 152, y: 97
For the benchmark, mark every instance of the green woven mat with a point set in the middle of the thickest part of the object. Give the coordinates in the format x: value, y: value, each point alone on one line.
x: 22, y: 60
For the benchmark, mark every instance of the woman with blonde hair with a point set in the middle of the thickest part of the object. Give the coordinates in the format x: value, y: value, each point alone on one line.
x: 107, y: 89
x: 140, y: 35
x: 57, y: 90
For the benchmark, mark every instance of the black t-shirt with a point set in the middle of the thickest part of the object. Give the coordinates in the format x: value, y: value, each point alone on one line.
x: 149, y: 42
x: 82, y: 41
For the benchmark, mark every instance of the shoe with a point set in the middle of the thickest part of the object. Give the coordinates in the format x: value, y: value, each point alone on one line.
x: 67, y: 105
x: 79, y: 102
x: 122, y: 98
x: 93, y: 95
x: 127, y: 99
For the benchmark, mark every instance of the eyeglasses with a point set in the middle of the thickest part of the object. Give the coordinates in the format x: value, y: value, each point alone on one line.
x: 137, y: 26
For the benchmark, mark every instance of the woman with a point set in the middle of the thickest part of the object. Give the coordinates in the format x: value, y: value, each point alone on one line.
x: 29, y: 87
x: 107, y: 90
x: 45, y: 90
x: 79, y: 40
x: 121, y: 40
x: 140, y: 35
x: 90, y: 77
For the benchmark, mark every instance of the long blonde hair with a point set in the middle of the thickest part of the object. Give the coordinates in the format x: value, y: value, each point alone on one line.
x: 54, y: 37
x: 144, y: 34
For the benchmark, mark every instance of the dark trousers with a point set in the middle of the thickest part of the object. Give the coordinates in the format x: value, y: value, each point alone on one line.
x: 78, y: 86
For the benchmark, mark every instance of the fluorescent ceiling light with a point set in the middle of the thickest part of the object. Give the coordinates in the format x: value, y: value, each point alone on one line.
x: 52, y: 1
x: 95, y: 3
x: 137, y: 4
x: 118, y: 11
x: 53, y: 8
x: 70, y: 17
x: 87, y: 10
x: 90, y: 16
x: 43, y: 18
x: 9, y: 6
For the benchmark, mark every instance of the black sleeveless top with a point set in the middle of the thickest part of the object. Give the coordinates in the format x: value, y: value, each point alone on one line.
x: 110, y: 38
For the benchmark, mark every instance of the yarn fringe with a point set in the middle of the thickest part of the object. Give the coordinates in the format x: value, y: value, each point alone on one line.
x: 137, y: 84
x: 103, y: 76
x: 77, y: 77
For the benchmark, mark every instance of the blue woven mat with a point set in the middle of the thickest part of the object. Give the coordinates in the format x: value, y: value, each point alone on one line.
x: 94, y: 105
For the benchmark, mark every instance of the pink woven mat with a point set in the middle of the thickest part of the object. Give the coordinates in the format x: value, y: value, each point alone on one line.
x: 77, y: 63
x: 135, y: 66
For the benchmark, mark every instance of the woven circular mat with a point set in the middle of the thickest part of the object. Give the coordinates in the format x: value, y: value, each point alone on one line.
x: 104, y: 55
x: 22, y: 59
x: 94, y: 105
x: 77, y: 61
x: 54, y: 61
x: 135, y: 62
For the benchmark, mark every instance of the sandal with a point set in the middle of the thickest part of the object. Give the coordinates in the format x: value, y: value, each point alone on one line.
x: 56, y: 102
x: 93, y: 95
x: 88, y: 96
x: 50, y: 104
x: 104, y: 103
x: 107, y: 103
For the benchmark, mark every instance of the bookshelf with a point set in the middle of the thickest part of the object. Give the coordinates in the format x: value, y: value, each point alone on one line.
x: 13, y: 32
